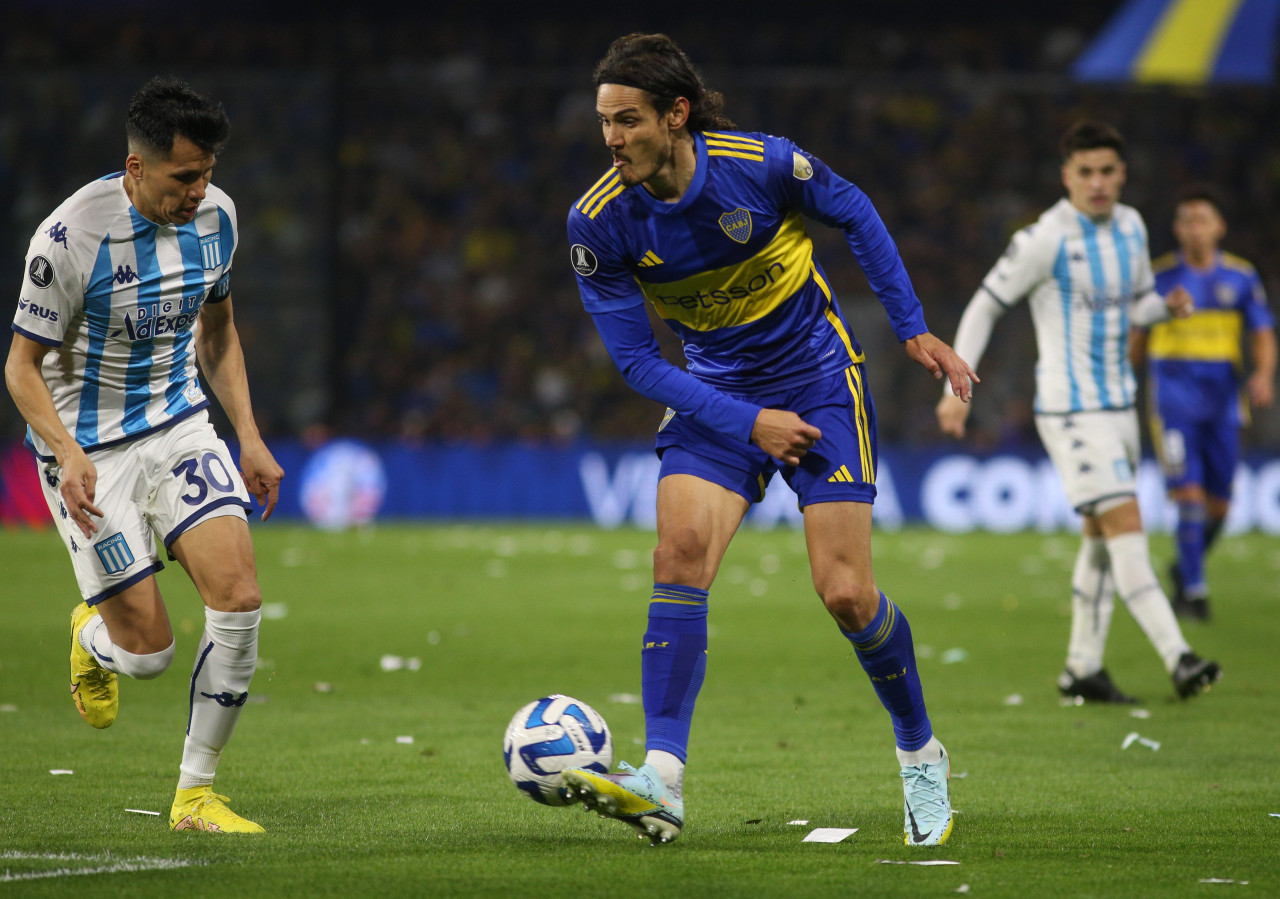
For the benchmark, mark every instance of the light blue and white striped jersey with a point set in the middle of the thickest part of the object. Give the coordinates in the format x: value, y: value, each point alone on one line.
x: 118, y: 296
x: 1081, y: 278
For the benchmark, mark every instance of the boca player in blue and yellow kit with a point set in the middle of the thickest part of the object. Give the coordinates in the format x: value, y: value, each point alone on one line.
x: 1198, y: 396
x: 705, y: 223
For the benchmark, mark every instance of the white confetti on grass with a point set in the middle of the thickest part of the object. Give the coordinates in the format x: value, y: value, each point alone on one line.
x: 1139, y: 713
x: 142, y: 811
x: 1242, y: 883
x: 928, y: 862
x: 799, y: 821
x: 829, y: 834
x: 1135, y: 737
x: 95, y: 864
x: 61, y: 771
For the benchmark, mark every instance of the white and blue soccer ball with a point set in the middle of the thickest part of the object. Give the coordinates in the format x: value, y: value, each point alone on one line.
x: 550, y: 735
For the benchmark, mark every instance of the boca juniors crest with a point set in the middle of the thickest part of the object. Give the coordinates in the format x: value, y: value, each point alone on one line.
x: 737, y: 225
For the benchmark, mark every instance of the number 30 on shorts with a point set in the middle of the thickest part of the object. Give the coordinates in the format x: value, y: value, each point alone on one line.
x: 209, y: 471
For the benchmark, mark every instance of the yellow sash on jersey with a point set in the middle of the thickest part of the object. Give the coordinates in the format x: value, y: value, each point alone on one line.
x: 1210, y: 335
x: 741, y: 293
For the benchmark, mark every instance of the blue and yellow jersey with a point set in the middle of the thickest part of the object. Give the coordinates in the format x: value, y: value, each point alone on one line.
x: 730, y: 266
x: 1196, y: 362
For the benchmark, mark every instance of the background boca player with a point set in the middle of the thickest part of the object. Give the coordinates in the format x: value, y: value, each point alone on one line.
x: 705, y: 223
x: 127, y: 284
x: 1198, y: 397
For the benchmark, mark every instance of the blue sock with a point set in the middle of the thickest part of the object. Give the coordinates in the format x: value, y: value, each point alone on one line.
x: 1191, y: 544
x: 673, y: 663
x: 888, y: 656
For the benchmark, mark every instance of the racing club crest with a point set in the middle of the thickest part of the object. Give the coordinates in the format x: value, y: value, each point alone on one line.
x: 737, y: 225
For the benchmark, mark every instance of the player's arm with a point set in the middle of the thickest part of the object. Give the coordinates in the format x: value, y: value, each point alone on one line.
x: 1262, y: 353
x: 31, y: 394
x: 972, y: 336
x: 1023, y: 265
x: 222, y: 361
x: 629, y: 338
x: 823, y: 195
x: 1138, y: 338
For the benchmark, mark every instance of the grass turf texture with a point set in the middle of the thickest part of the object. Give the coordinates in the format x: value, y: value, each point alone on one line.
x: 787, y: 727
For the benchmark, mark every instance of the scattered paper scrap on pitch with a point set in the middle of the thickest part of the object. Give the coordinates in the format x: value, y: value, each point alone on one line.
x: 142, y: 811
x: 61, y: 771
x: 1243, y: 883
x: 799, y: 821
x: 829, y: 834
x: 925, y: 862
x: 1139, y: 713
x: 1135, y: 737
x: 404, y: 739
x: 396, y: 663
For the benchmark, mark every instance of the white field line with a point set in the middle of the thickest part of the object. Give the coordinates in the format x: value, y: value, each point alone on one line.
x: 112, y: 865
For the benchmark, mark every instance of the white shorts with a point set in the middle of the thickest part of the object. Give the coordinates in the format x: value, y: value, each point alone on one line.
x: 1095, y: 453
x: 161, y: 485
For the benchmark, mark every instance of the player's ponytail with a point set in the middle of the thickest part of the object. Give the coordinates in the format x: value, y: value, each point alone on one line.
x: 653, y: 63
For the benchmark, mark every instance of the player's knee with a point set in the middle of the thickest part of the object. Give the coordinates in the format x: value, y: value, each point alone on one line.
x: 241, y: 595
x: 146, y: 665
x: 851, y: 603
x: 681, y: 558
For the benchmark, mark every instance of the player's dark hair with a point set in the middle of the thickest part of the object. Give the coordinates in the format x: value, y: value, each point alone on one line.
x: 1090, y: 135
x: 166, y: 107
x: 1206, y: 193
x: 653, y: 63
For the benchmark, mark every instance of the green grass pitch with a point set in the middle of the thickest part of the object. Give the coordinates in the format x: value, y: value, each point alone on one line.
x: 787, y: 728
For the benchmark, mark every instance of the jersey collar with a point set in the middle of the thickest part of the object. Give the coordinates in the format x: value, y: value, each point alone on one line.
x: 695, y: 186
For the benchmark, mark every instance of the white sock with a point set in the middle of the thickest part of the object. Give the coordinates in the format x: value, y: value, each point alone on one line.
x: 928, y: 754
x: 669, y: 768
x: 1141, y: 592
x: 1092, y: 602
x: 95, y: 638
x: 225, y: 660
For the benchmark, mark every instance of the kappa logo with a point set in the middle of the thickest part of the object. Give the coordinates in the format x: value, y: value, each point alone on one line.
x: 737, y: 225
x: 227, y: 700
x: 58, y: 234
x: 124, y: 275
x: 40, y: 271
x: 583, y: 260
x: 1225, y: 295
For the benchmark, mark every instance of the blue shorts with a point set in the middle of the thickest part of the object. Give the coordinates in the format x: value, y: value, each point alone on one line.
x: 1197, y: 452
x: 841, y: 466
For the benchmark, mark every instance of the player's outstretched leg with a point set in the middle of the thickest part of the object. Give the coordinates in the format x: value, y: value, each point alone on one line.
x: 926, y: 802
x: 199, y: 808
x: 639, y: 798
x: 95, y: 690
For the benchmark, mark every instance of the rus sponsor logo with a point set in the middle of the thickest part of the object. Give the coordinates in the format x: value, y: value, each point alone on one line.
x: 44, y: 312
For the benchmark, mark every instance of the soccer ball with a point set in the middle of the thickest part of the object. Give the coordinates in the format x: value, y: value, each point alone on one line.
x: 550, y: 735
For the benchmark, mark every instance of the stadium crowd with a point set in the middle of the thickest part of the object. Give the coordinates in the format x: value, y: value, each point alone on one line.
x: 402, y: 194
